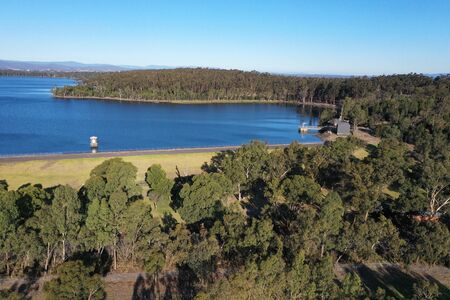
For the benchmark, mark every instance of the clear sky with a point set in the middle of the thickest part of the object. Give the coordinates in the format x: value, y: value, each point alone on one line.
x: 314, y: 36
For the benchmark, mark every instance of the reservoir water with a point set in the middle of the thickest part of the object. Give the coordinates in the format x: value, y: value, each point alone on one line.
x: 32, y: 122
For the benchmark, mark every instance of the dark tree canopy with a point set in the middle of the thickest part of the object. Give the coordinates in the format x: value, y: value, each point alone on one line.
x: 75, y: 281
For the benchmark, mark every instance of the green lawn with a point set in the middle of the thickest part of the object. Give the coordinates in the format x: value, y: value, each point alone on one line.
x: 75, y: 171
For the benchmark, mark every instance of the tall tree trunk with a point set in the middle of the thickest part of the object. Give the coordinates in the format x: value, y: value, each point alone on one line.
x: 156, y: 283
x: 47, y: 259
x: 239, y: 192
x: 7, y: 263
x: 64, y: 250
x: 92, y: 293
x: 322, y: 247
x: 115, y: 254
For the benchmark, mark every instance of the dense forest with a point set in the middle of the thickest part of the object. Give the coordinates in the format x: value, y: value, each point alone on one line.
x: 226, y: 85
x: 256, y: 223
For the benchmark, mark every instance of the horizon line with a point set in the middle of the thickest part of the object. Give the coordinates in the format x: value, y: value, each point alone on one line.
x: 135, y: 67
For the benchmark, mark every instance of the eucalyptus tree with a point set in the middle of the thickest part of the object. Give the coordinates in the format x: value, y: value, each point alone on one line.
x: 32, y: 198
x: 425, y: 290
x: 356, y: 111
x: 97, y: 232
x: 329, y: 221
x: 115, y: 218
x: 203, y: 256
x: 136, y: 225
x: 324, y: 279
x: 300, y: 190
x: 9, y: 222
x: 111, y: 176
x: 110, y: 189
x: 203, y: 198
x: 277, y: 167
x: 361, y: 189
x: 299, y: 279
x: 352, y: 287
x: 47, y: 232
x: 65, y: 214
x: 428, y: 242
x: 232, y: 167
x: 75, y: 281
x: 253, y: 157
x: 370, y: 240
x: 390, y: 161
x: 159, y: 185
x: 255, y: 280
x: 58, y: 223
x: 243, y: 166
x: 435, y: 180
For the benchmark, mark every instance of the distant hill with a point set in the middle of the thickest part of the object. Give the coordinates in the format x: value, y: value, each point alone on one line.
x: 69, y: 66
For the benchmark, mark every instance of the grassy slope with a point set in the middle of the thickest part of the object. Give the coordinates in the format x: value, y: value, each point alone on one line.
x: 75, y: 171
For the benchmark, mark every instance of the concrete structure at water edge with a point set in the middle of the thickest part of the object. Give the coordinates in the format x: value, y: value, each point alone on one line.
x: 94, y: 144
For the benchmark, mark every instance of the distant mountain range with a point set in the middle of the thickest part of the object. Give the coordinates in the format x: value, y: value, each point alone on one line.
x: 73, y: 66
x: 70, y: 66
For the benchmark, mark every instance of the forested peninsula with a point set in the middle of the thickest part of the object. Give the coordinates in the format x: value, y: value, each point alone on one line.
x: 194, y: 85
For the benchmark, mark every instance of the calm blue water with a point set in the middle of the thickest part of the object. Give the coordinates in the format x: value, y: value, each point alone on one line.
x: 32, y: 121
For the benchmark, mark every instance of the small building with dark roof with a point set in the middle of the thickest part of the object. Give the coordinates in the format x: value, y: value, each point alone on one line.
x: 343, y: 128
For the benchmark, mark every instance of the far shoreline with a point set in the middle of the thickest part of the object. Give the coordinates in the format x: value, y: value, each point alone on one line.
x: 315, y: 104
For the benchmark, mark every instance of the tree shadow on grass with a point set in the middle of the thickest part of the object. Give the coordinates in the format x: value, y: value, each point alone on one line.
x: 397, y: 282
x: 165, y: 287
x: 179, y: 182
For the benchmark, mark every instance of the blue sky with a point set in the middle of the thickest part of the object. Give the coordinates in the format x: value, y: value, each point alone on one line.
x: 334, y: 37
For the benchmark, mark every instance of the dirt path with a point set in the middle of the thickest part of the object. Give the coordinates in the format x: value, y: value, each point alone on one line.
x: 395, y: 279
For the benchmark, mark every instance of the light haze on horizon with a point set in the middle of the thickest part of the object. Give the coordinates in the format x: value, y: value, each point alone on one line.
x: 318, y: 37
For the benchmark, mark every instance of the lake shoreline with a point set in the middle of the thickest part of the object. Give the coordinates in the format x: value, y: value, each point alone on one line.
x: 47, y: 125
x: 315, y: 104
x: 125, y: 153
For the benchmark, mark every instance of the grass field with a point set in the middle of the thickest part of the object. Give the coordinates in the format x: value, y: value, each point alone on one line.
x: 75, y: 171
